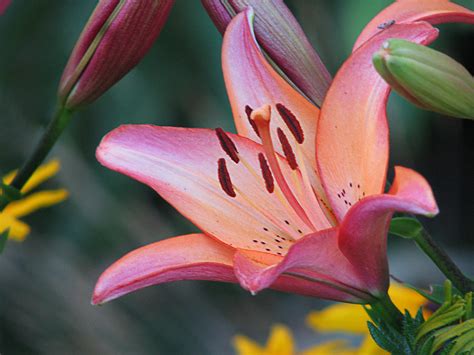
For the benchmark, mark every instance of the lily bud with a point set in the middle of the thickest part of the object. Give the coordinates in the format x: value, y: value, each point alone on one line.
x: 427, y: 78
x: 3, y: 6
x: 117, y: 36
x: 283, y: 40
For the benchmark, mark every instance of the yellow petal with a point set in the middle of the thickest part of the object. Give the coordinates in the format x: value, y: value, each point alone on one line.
x: 35, y: 201
x: 343, y: 317
x: 406, y: 298
x: 7, y: 179
x: 280, y: 341
x: 338, y: 347
x: 18, y: 229
x: 43, y: 173
x: 246, y: 346
x: 353, y: 318
x: 369, y: 347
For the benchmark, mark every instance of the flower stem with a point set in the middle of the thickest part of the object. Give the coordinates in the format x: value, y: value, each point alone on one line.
x: 443, y: 262
x: 59, y: 121
x: 386, y: 310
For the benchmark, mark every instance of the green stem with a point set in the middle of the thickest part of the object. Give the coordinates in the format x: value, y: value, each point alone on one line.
x: 386, y: 310
x: 59, y: 121
x: 443, y: 262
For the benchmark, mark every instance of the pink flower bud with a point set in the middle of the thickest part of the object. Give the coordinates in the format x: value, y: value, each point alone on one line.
x: 117, y: 36
x: 3, y: 5
x: 282, y: 38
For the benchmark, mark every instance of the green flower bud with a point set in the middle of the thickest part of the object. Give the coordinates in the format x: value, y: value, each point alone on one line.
x: 427, y: 78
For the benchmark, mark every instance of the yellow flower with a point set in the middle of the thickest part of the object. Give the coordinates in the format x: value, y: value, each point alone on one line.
x: 280, y: 342
x: 29, y: 203
x: 340, y: 317
x: 352, y: 319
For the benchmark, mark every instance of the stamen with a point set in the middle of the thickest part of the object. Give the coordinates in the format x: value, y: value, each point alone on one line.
x: 261, y: 117
x: 224, y: 178
x: 266, y: 173
x: 228, y: 146
x: 292, y: 122
x: 248, y: 112
x: 287, y: 150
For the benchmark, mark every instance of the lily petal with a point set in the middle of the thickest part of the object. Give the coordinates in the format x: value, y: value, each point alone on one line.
x: 186, y: 166
x: 352, y: 141
x: 363, y: 232
x: 187, y: 257
x: 405, y: 11
x: 282, y: 38
x: 252, y: 82
x: 316, y: 257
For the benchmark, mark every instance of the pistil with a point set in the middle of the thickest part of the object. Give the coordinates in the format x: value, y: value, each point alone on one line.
x: 261, y: 117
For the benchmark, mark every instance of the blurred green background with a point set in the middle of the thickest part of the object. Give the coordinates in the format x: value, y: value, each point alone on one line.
x: 46, y: 282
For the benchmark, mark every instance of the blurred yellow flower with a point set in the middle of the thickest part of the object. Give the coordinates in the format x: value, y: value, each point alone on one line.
x: 352, y: 319
x: 29, y: 203
x: 280, y: 342
x: 341, y: 317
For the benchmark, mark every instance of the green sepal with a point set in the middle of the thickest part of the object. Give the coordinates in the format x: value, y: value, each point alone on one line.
x: 405, y: 227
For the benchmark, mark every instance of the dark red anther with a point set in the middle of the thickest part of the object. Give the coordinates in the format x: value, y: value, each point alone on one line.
x: 228, y: 146
x: 266, y: 173
x: 287, y: 150
x: 248, y: 112
x: 224, y: 178
x: 292, y: 122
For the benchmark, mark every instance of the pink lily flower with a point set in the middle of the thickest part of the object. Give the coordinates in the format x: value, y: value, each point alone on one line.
x: 294, y: 202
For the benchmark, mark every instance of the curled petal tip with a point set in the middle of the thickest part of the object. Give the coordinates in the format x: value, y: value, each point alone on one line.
x: 413, y: 187
x: 410, y: 11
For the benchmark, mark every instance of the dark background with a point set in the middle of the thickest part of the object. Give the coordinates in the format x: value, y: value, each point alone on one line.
x: 46, y: 282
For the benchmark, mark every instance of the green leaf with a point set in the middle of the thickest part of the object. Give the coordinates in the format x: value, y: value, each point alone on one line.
x: 437, y: 293
x: 464, y: 344
x: 454, y: 332
x: 382, y: 339
x: 425, y: 347
x: 405, y: 227
x: 410, y: 327
x: 441, y: 318
x: 447, y: 349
